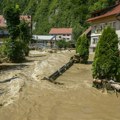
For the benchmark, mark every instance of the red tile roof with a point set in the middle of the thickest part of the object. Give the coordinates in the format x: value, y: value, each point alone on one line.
x: 2, y: 21
x: 87, y: 31
x: 60, y: 31
x: 114, y: 11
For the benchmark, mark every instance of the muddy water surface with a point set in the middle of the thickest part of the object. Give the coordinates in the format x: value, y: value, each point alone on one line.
x: 76, y: 99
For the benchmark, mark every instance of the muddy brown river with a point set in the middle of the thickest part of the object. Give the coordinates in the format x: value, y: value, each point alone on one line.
x: 75, y: 99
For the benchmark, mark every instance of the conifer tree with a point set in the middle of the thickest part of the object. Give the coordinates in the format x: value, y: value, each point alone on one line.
x: 107, y: 60
x: 78, y: 44
x: 12, y: 14
x: 82, y: 48
x: 25, y: 36
x: 13, y: 49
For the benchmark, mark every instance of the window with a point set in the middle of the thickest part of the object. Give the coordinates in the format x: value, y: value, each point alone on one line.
x: 94, y: 29
x: 110, y: 24
x: 95, y: 40
x: 114, y: 25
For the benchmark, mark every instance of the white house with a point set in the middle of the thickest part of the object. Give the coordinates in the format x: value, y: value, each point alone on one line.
x: 102, y: 18
x: 62, y: 33
x: 41, y: 41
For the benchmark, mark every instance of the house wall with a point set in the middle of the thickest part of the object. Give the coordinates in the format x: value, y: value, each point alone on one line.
x: 67, y: 37
x: 99, y: 25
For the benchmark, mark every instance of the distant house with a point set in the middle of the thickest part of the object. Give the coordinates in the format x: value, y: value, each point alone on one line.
x: 3, y: 26
x: 100, y: 19
x: 2, y: 22
x: 3, y: 29
x: 62, y: 33
x: 43, y: 41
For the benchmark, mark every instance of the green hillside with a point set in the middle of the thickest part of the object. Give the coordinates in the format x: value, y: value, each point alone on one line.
x: 58, y: 13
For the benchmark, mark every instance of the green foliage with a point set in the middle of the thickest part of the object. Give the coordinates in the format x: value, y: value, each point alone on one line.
x: 101, y: 4
x: 82, y: 48
x: 25, y: 36
x: 11, y: 14
x: 55, y: 13
x: 25, y: 33
x: 13, y: 50
x: 78, y: 44
x: 62, y: 44
x: 59, y: 13
x: 107, y: 60
x: 118, y: 70
x: 17, y: 45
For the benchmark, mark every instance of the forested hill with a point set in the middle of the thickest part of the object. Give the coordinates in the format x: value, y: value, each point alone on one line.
x: 58, y: 13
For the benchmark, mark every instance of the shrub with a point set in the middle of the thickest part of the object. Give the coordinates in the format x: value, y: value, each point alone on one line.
x: 11, y: 14
x: 13, y: 50
x: 16, y: 47
x: 83, y: 48
x: 62, y: 44
x: 78, y: 44
x: 25, y: 36
x: 107, y: 60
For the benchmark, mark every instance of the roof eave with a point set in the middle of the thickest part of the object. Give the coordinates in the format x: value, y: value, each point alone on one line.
x: 95, y: 19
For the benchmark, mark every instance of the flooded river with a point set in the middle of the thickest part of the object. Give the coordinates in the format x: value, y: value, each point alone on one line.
x: 75, y: 99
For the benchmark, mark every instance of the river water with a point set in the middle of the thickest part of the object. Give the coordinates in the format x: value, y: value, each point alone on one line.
x: 75, y: 99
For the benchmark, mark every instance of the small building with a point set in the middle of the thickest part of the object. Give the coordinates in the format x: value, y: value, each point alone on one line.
x: 100, y: 19
x: 62, y: 33
x: 3, y: 26
x: 3, y: 29
x: 2, y: 22
x: 43, y: 41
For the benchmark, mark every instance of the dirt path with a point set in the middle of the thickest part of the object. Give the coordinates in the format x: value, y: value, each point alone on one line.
x: 75, y: 100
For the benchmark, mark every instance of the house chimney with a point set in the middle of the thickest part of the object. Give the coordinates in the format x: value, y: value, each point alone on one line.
x: 117, y: 2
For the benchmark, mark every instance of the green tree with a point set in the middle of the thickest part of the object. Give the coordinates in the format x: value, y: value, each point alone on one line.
x: 83, y: 48
x: 62, y: 44
x: 13, y: 49
x: 78, y: 44
x: 107, y: 60
x: 101, y: 4
x: 25, y: 36
x: 11, y: 14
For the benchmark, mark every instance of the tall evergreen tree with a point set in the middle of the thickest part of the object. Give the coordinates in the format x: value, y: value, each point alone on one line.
x: 107, y: 59
x: 25, y: 36
x: 83, y: 48
x: 13, y: 47
x: 78, y: 44
x: 12, y: 14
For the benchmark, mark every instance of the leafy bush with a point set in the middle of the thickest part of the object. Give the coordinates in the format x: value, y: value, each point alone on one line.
x: 62, y: 44
x: 11, y: 14
x: 82, y: 48
x: 78, y: 44
x: 13, y: 50
x: 106, y: 63
x: 25, y: 36
x: 16, y: 47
